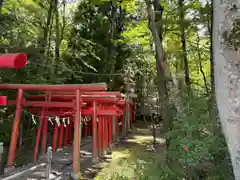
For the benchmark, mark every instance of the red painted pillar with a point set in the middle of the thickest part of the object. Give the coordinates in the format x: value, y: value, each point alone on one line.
x: 60, y: 141
x: 66, y: 134
x: 131, y: 115
x: 70, y: 131
x: 103, y: 134
x: 85, y: 129
x: 38, y: 138
x: 89, y: 130
x: 116, y: 127
x: 55, y: 137
x: 134, y: 112
x: 44, y: 136
x: 110, y: 132
x: 45, y: 127
x: 98, y: 137
x: 107, y: 132
x: 15, y: 129
x: 127, y: 123
x: 100, y: 121
x: 94, y: 134
x: 76, y: 140
x: 123, y: 121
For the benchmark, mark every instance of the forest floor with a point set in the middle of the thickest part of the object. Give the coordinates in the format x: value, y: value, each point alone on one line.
x: 131, y: 152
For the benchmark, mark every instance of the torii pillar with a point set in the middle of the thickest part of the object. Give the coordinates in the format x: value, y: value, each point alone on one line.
x: 13, y: 61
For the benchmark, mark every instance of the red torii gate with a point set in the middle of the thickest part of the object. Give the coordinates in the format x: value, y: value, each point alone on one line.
x: 75, y: 99
x: 72, y: 96
x: 87, y: 97
x: 19, y: 102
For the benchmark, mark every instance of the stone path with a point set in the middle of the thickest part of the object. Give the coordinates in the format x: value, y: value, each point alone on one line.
x: 61, y: 164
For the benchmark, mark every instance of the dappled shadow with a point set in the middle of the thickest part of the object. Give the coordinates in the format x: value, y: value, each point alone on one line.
x: 137, y: 149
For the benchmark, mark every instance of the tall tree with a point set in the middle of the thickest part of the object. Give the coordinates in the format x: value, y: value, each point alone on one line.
x: 226, y: 28
x: 184, y: 61
x: 155, y: 9
x: 57, y: 39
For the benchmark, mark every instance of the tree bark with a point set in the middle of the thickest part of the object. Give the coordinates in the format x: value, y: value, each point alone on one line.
x: 112, y: 53
x: 227, y: 74
x: 57, y: 40
x: 183, y: 42
x: 200, y: 64
x: 46, y: 28
x: 153, y: 120
x: 213, y: 108
x: 163, y: 73
x: 210, y: 29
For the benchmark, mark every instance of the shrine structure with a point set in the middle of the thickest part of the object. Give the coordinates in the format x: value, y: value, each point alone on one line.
x: 71, y: 109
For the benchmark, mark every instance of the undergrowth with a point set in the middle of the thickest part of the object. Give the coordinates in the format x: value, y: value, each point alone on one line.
x: 194, y: 151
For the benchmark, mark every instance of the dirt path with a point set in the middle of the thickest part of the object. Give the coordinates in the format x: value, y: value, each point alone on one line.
x: 131, y: 152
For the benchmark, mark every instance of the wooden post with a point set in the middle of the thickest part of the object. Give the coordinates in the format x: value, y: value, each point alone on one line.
x: 110, y: 133
x: 55, y: 137
x: 15, y: 129
x: 60, y: 142
x: 77, y: 138
x: 70, y: 131
x: 100, y: 133
x: 94, y: 136
x: 44, y: 136
x: 66, y: 135
x: 45, y: 127
x: 114, y: 129
x: 38, y: 138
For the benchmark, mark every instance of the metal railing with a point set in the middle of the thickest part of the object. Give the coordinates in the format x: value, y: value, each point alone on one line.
x: 30, y: 170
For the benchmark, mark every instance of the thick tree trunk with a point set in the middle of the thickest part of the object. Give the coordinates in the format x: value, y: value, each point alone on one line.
x: 227, y: 74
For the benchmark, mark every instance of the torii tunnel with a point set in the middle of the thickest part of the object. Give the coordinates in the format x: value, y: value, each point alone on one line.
x: 69, y: 107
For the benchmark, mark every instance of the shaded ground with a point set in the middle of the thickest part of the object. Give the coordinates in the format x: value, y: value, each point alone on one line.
x: 132, y: 152
x: 61, y: 164
x: 126, y: 156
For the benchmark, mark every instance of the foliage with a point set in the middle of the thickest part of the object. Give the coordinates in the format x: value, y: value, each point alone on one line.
x: 194, y: 152
x: 95, y: 40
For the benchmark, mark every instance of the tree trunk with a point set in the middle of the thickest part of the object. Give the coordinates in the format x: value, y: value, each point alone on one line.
x: 112, y: 53
x: 64, y: 22
x: 57, y: 40
x: 200, y: 64
x: 163, y: 73
x: 213, y: 108
x: 183, y: 42
x: 46, y: 28
x: 153, y: 119
x: 46, y: 33
x: 210, y: 30
x: 227, y: 74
